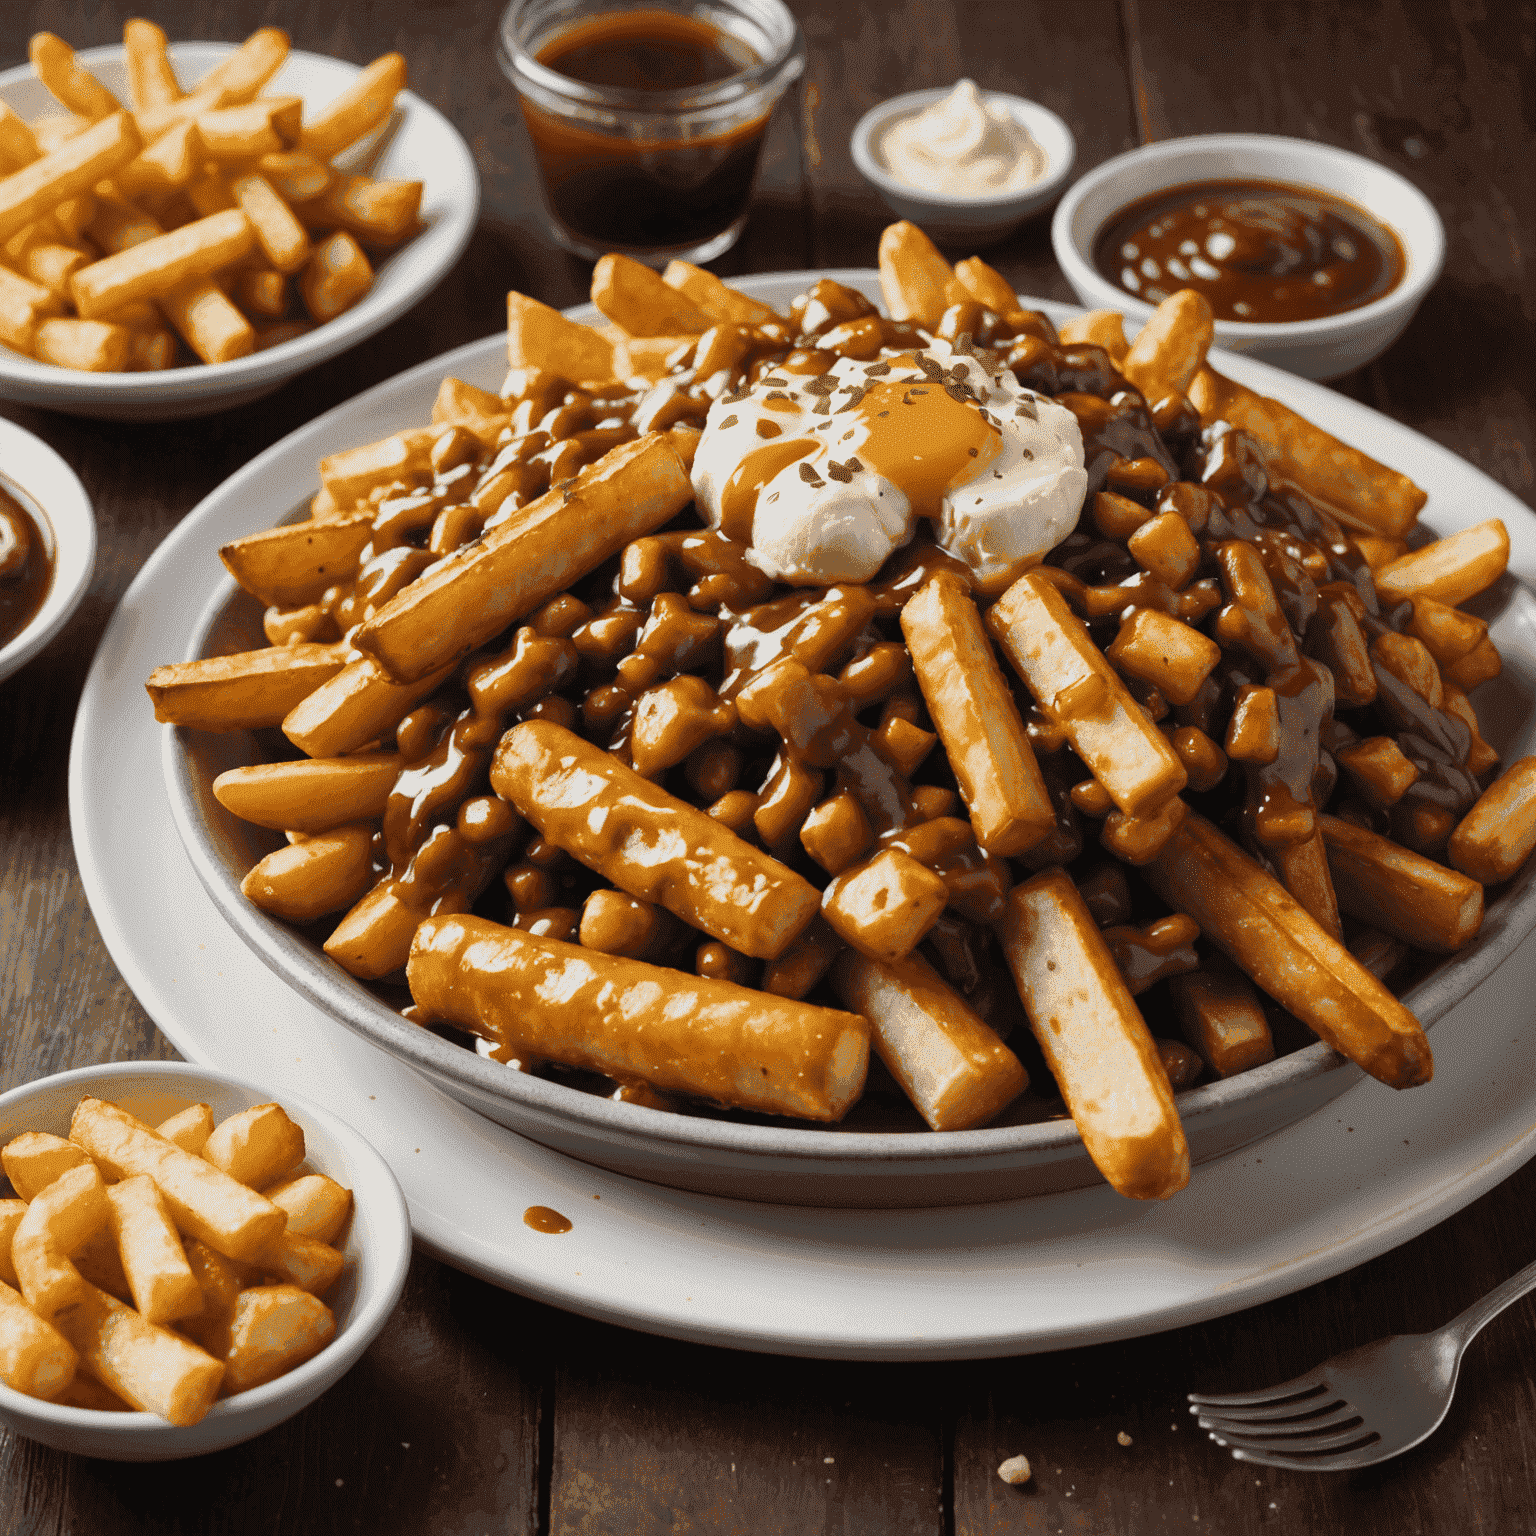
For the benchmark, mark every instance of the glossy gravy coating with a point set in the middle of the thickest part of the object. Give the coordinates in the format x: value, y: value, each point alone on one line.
x: 26, y: 567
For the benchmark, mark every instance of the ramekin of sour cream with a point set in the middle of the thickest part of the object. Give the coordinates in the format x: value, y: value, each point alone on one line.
x: 964, y: 163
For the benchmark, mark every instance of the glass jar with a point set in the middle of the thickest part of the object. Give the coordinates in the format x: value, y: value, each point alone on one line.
x: 647, y: 122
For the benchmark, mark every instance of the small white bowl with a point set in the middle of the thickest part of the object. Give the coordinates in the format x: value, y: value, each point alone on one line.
x: 954, y: 220
x: 1326, y: 348
x: 377, y: 1246
x: 49, y: 489
x: 419, y: 144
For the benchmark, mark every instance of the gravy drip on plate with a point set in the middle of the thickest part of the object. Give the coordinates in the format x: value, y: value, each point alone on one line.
x: 26, y: 567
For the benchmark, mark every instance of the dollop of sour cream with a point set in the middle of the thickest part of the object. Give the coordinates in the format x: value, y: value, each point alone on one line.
x: 824, y: 476
x: 964, y: 145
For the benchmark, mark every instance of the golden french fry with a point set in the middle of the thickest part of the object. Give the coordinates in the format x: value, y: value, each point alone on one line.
x: 11, y: 1212
x: 476, y: 410
x: 634, y: 297
x: 1451, y: 569
x: 1174, y: 657
x: 261, y: 293
x: 248, y: 68
x: 374, y: 938
x: 243, y: 692
x: 358, y: 705
x: 163, y: 1285
x: 55, y: 64
x: 18, y: 144
x: 86, y: 1392
x: 336, y: 277
x: 954, y: 1069
x: 720, y: 302
x: 24, y: 304
x: 159, y: 266
x: 403, y: 456
x: 310, y: 794
x: 150, y: 1368
x: 33, y: 1160
x: 325, y: 873
x: 1171, y: 346
x: 541, y: 337
x: 252, y: 129
x: 987, y: 286
x: 1496, y: 836
x: 35, y: 1357
x: 914, y: 278
x: 272, y: 1329
x: 1222, y: 1018
x: 189, y: 1128
x: 50, y: 263
x: 99, y: 1264
x: 317, y: 1206
x: 302, y: 1261
x: 376, y: 212
x: 1094, y: 1039
x: 170, y: 162
x: 256, y: 1146
x: 151, y: 80
x: 204, y: 1202
x: 151, y: 351
x: 884, y: 906
x: 294, y: 175
x: 74, y: 167
x: 676, y: 1032
x: 471, y: 596
x: 92, y: 346
x: 282, y: 238
x: 291, y: 565
x: 974, y: 713
x: 58, y: 1222
x: 1098, y: 328
x: 358, y: 109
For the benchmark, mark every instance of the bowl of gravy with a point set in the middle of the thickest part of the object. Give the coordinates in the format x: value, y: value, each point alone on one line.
x: 47, y: 545
x: 1312, y: 258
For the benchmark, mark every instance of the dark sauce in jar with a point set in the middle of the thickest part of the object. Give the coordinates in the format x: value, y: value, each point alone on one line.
x: 1258, y: 250
x: 630, y: 190
x: 26, y: 567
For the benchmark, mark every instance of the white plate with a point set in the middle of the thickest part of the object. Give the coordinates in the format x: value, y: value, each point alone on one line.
x: 1372, y: 1170
x: 419, y: 144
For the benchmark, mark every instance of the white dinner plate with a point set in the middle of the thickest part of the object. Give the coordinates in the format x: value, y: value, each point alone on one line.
x: 1370, y: 1171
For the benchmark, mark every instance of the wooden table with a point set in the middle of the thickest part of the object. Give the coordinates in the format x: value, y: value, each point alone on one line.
x: 481, y: 1412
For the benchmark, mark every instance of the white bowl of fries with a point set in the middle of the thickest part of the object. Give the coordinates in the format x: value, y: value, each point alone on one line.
x: 120, y: 344
x: 374, y: 1244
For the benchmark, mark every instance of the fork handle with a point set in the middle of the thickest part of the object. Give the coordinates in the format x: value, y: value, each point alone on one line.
x: 1467, y: 1326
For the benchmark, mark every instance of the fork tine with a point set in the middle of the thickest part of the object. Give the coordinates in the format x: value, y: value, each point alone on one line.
x: 1303, y: 1444
x: 1296, y: 1388
x: 1269, y: 1412
x: 1339, y: 1412
x: 1343, y: 1461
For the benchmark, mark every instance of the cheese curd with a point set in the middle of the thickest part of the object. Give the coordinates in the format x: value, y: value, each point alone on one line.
x: 825, y: 476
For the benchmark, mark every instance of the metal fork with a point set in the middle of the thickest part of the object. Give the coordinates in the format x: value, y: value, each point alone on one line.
x: 1361, y: 1407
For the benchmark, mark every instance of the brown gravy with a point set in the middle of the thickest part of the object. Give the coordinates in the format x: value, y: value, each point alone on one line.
x: 1258, y: 250
x: 543, y: 1218
x: 26, y: 567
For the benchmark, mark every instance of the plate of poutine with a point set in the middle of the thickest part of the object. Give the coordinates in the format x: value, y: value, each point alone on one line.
x: 968, y: 1160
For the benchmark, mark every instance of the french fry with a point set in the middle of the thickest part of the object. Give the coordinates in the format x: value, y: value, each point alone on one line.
x: 170, y: 162
x: 252, y: 129
x: 1450, y: 570
x: 189, y: 1128
x: 975, y: 716
x: 1159, y: 649
x: 376, y: 212
x: 158, y: 266
x: 293, y: 564
x: 18, y: 144
x: 1251, y: 917
x: 325, y: 873
x: 272, y: 1329
x: 261, y: 294
x: 150, y: 1368
x: 33, y: 1160
x: 606, y: 816
x: 358, y: 705
x: 954, y: 1069
x: 1171, y: 346
x: 720, y: 302
x: 402, y: 456
x: 473, y: 595
x: 257, y: 1146
x: 310, y: 794
x: 635, y: 298
x: 220, y: 1280
x: 92, y: 346
x: 476, y: 410
x: 24, y: 304
x: 151, y: 351
x: 49, y: 263
x: 163, y: 1285
x: 86, y: 1392
x: 374, y: 939
x: 35, y: 1358
x: 987, y: 286
x: 302, y: 1261
x: 679, y: 1033
x: 243, y: 692
x: 204, y: 1202
x: 11, y: 1212
x: 239, y: 77
x: 336, y: 276
x: 1222, y: 1018
x: 1497, y: 835
x: 884, y: 906
x: 99, y: 1264
x: 294, y: 175
x: 1094, y: 1039
x: 317, y: 1206
x: 55, y: 64
x: 1098, y: 328
x: 282, y: 238
x: 152, y: 81
x: 914, y: 278
x: 74, y: 167
x: 357, y: 110
x: 541, y: 337
x: 1075, y: 686
x: 58, y: 1221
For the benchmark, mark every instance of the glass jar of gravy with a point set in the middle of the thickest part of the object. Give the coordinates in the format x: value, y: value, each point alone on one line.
x: 647, y: 122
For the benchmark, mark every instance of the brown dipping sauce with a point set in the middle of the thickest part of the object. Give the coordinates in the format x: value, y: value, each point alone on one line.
x: 635, y: 192
x: 26, y: 567
x: 544, y: 1218
x: 1258, y: 250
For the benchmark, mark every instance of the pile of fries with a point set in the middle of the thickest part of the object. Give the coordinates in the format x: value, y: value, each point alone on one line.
x: 618, y: 804
x: 215, y: 216
x: 141, y: 1269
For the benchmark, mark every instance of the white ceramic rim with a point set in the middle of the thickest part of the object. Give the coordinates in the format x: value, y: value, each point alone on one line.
x: 340, y: 1355
x: 1143, y: 170
x: 1045, y: 127
x: 55, y: 492
x: 445, y: 238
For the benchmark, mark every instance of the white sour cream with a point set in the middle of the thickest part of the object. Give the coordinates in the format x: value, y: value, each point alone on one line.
x: 964, y: 145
